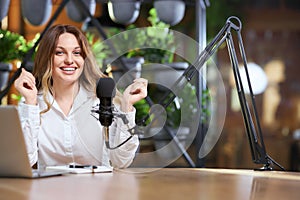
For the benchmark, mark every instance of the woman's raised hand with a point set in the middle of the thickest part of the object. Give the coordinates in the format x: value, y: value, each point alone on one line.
x: 133, y: 93
x: 25, y: 84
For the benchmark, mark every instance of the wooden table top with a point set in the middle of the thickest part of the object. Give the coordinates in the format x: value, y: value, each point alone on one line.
x: 166, y: 183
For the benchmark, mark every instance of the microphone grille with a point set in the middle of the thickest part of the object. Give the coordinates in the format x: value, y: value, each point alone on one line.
x: 106, y: 88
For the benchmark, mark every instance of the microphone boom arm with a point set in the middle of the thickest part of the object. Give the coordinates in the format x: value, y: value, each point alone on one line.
x: 249, y: 111
x: 250, y: 115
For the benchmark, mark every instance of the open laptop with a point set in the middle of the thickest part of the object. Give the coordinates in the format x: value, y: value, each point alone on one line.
x: 14, y: 160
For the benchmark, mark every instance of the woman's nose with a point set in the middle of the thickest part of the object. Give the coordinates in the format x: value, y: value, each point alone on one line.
x: 69, y: 59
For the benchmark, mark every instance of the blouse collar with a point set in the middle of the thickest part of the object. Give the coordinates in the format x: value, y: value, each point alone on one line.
x: 82, y: 96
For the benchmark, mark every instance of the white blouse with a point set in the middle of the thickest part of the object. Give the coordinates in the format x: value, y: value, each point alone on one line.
x: 55, y: 139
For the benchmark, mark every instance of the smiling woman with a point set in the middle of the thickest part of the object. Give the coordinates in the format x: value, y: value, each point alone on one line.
x: 58, y: 98
x: 67, y: 67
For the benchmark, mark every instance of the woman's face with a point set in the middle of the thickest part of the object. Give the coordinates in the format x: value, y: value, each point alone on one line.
x: 68, y: 61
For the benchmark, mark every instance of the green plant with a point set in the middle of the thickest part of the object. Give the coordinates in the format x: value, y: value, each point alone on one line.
x: 185, y: 101
x: 219, y: 11
x: 205, y: 106
x: 13, y: 46
x: 100, y: 50
x: 159, y: 37
x: 155, y: 38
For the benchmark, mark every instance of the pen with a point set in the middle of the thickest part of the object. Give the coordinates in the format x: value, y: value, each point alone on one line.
x: 83, y: 166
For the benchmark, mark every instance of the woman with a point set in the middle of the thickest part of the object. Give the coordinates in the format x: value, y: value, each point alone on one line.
x: 58, y: 98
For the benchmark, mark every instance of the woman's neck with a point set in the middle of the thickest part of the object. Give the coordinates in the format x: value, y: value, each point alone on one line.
x: 64, y: 95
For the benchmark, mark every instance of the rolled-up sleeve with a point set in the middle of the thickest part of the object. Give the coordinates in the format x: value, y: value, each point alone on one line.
x: 30, y: 122
x: 123, y: 156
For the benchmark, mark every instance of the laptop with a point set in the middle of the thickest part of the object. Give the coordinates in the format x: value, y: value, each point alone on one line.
x: 14, y: 160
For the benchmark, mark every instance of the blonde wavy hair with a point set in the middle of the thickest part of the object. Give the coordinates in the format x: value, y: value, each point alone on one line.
x: 44, y: 61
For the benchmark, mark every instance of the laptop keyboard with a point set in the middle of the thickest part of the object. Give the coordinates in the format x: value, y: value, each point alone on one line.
x: 39, y: 173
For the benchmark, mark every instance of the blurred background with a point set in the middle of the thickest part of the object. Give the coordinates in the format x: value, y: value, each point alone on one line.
x: 271, y: 36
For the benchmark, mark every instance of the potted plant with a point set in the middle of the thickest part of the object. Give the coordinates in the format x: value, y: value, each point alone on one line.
x: 10, y: 48
x: 157, y: 56
x: 157, y: 36
x: 13, y: 46
x: 160, y: 37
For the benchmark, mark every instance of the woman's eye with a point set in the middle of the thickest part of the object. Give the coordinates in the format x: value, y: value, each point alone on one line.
x: 77, y: 53
x: 59, y: 52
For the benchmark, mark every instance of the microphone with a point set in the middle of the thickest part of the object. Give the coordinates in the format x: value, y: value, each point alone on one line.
x: 105, y: 92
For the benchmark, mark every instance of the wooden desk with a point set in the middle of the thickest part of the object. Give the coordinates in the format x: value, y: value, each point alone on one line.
x: 167, y: 183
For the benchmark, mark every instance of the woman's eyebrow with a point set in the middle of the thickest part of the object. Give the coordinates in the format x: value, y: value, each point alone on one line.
x: 61, y: 47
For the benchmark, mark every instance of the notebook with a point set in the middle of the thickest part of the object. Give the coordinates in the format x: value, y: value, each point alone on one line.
x: 14, y: 160
x: 81, y: 169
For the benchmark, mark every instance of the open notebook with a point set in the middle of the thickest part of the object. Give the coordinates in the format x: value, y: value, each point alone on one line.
x: 14, y: 161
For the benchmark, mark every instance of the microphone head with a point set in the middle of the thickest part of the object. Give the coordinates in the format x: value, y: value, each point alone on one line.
x: 106, y: 88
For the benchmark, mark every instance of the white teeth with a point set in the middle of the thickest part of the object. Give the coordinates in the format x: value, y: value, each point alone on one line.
x: 68, y: 69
